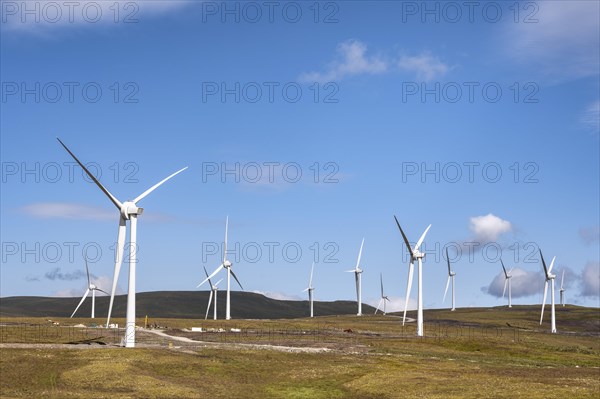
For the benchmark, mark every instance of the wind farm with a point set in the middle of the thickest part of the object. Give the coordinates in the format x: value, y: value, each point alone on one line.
x: 288, y: 200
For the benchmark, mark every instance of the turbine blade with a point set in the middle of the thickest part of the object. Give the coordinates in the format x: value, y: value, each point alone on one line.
x: 87, y: 271
x: 503, y: 268
x: 551, y: 264
x: 404, y: 236
x: 446, y: 291
x: 98, y: 289
x: 360, y: 253
x: 225, y: 242
x: 544, y: 264
x: 80, y: 302
x: 209, y: 302
x: 217, y: 270
x: 381, y: 281
x: 422, y: 238
x: 544, y: 301
x: 409, y: 284
x: 448, y: 260
x: 236, y: 279
x: 510, y: 271
x: 218, y: 282
x: 100, y: 186
x: 154, y: 187
x: 378, y: 305
x: 208, y: 278
x: 311, y: 275
x: 118, y: 262
x: 504, y: 290
x: 562, y: 280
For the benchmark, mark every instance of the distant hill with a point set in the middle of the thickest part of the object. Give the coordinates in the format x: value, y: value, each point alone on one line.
x: 176, y: 304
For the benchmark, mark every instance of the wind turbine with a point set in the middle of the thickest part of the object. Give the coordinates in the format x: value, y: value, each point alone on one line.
x: 549, y: 278
x: 383, y: 297
x: 128, y: 211
x: 451, y: 275
x: 507, y: 277
x: 227, y: 265
x: 357, y: 277
x: 562, y: 289
x: 310, y: 290
x: 91, y: 287
x: 415, y: 254
x: 213, y: 290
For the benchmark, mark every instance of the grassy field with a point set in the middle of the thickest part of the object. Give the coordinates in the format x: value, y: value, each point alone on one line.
x: 470, y: 353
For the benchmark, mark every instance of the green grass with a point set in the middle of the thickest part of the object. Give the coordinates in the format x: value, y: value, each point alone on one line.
x: 470, y: 353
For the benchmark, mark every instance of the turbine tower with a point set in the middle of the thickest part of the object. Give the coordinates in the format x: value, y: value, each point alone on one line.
x: 415, y: 254
x: 562, y: 289
x: 227, y: 265
x: 383, y: 299
x: 549, y: 278
x: 451, y: 275
x: 128, y: 210
x: 357, y: 277
x: 310, y: 290
x: 213, y: 290
x: 91, y: 287
x: 507, y: 281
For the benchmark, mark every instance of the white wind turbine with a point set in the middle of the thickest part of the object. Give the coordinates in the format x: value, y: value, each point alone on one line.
x: 562, y: 289
x: 549, y: 278
x: 213, y: 290
x: 91, y: 287
x: 451, y: 275
x: 357, y: 277
x: 310, y: 290
x: 507, y: 281
x: 383, y: 297
x: 227, y: 265
x: 415, y: 254
x: 128, y: 211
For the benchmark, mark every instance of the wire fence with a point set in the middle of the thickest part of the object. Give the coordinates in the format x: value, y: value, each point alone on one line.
x: 57, y: 334
x: 322, y: 334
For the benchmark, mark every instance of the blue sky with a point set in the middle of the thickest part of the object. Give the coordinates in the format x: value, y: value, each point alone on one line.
x: 484, y: 124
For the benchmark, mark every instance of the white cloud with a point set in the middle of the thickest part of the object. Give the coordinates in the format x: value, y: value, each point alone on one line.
x: 590, y: 235
x: 590, y: 118
x: 523, y: 284
x: 590, y: 280
x: 352, y: 60
x: 426, y: 66
x: 280, y: 296
x: 396, y: 304
x: 65, y: 210
x: 564, y: 42
x: 489, y: 227
x: 74, y: 211
x: 39, y: 17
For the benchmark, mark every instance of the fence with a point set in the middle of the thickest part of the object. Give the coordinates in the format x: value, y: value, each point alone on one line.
x: 56, y: 334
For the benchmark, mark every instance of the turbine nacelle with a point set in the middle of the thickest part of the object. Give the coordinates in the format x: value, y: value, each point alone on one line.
x: 130, y: 208
x: 227, y: 264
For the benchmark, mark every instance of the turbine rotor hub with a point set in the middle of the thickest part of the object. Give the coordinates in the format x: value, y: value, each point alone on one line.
x: 130, y: 208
